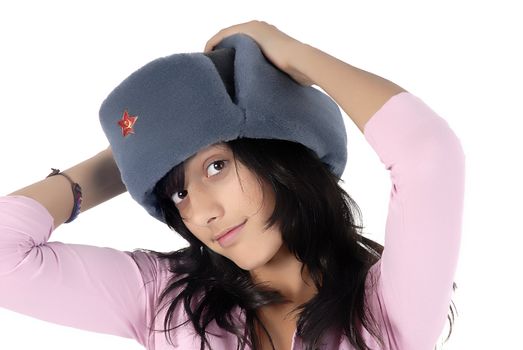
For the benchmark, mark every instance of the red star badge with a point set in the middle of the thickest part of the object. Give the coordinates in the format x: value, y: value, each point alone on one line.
x: 127, y: 123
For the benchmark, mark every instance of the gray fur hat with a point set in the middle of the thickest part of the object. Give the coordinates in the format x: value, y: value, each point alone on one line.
x: 172, y: 107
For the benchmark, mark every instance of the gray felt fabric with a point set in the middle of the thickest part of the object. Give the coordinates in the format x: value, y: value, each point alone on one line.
x: 187, y: 101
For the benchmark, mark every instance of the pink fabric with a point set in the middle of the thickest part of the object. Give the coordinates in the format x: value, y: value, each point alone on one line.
x: 115, y: 292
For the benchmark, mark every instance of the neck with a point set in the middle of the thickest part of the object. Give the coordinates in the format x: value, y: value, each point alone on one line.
x: 283, y: 273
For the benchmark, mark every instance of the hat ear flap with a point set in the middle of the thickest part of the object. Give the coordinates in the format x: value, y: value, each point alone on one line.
x: 223, y: 60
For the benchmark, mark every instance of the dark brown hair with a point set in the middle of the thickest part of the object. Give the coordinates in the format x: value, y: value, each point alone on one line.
x: 318, y: 221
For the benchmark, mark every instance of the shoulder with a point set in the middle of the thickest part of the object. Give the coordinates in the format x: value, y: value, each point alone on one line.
x: 153, y: 269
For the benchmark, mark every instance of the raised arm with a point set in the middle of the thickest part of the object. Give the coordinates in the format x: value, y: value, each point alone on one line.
x: 427, y: 170
x: 99, y: 289
x: 98, y: 176
x: 359, y: 93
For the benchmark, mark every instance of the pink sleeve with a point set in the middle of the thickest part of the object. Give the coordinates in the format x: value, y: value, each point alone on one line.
x: 92, y: 288
x: 423, y: 227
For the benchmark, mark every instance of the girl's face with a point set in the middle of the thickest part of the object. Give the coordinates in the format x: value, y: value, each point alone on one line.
x: 220, y: 195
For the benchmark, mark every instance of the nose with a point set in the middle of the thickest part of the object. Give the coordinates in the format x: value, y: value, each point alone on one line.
x: 205, y: 205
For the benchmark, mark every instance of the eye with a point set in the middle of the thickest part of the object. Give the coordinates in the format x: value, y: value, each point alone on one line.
x: 175, y: 197
x: 216, y: 166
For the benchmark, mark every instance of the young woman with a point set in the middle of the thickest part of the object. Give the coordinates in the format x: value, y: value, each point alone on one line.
x: 293, y: 271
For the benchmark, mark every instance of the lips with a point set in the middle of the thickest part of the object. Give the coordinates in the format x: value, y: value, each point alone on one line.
x: 223, y: 233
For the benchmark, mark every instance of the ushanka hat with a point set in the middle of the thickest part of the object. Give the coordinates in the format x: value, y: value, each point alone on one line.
x: 172, y: 107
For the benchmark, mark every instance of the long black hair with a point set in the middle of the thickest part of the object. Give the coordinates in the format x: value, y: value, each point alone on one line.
x: 319, y: 224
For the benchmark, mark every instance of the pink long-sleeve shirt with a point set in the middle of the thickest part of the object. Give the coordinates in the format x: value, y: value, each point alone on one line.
x: 115, y: 292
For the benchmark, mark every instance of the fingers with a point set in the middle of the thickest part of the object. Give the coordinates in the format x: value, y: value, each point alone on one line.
x: 209, y: 46
x: 225, y: 32
x: 215, y: 39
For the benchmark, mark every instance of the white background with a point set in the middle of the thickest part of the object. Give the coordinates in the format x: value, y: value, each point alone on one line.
x: 59, y: 60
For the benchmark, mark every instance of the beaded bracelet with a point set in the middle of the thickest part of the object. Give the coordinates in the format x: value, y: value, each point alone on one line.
x: 77, y: 193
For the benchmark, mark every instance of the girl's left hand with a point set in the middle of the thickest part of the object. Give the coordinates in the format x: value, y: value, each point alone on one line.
x: 277, y: 46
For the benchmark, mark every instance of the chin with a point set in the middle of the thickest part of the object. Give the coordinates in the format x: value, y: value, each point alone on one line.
x: 252, y: 262
x: 249, y: 264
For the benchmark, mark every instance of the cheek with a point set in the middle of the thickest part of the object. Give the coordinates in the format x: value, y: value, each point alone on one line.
x: 252, y: 193
x: 258, y: 250
x: 192, y: 228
